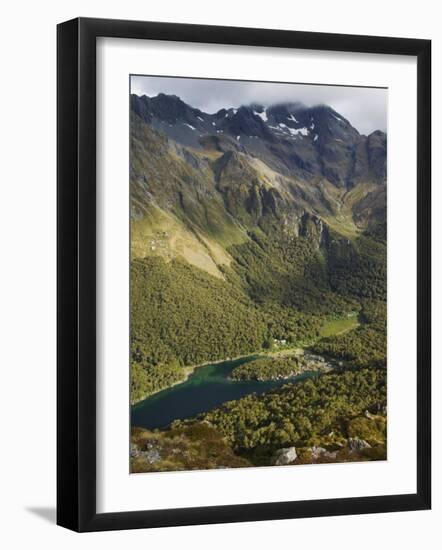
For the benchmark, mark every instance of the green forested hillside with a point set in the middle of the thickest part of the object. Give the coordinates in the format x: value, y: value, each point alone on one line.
x: 183, y: 316
x: 181, y: 313
x: 320, y: 411
x: 288, y: 270
x: 361, y: 270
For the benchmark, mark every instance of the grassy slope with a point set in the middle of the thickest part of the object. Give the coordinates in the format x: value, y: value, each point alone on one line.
x: 339, y: 326
x: 366, y: 346
x: 175, y: 208
x: 160, y: 233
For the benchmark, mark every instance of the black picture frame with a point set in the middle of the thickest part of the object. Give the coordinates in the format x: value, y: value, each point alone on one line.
x: 77, y: 287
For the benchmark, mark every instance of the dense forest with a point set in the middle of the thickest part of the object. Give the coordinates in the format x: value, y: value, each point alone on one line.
x: 293, y: 272
x: 270, y: 368
x: 318, y: 411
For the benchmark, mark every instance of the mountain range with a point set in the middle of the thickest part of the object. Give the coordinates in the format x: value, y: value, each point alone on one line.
x: 292, y: 139
x: 202, y: 183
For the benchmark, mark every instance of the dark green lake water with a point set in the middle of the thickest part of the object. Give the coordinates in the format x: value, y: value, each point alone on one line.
x: 206, y: 388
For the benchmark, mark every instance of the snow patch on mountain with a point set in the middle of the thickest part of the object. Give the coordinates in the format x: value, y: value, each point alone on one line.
x: 302, y: 131
x: 339, y: 119
x: 263, y: 116
x: 294, y: 131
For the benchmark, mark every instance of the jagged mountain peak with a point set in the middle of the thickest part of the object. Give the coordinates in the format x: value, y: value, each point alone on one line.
x: 291, y: 138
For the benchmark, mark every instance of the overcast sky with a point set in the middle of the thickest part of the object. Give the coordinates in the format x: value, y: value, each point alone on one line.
x: 365, y: 108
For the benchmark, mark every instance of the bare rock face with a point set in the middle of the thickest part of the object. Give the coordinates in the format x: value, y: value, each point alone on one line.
x: 356, y: 444
x: 284, y: 456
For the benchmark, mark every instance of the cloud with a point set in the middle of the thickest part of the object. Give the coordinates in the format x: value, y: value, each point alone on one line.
x: 365, y: 108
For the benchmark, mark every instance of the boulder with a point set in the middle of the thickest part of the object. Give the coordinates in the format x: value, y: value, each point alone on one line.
x: 284, y: 456
x: 356, y: 444
x: 134, y: 451
x: 317, y: 452
x: 320, y: 452
x: 152, y: 456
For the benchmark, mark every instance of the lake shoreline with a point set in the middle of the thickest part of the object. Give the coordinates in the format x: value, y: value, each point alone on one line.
x: 189, y: 370
x: 208, y: 388
x: 295, y: 350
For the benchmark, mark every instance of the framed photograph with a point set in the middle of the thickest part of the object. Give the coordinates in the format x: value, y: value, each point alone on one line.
x: 243, y: 274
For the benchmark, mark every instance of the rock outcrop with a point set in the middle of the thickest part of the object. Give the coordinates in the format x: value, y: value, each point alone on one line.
x: 149, y: 453
x: 284, y: 456
x: 356, y: 444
